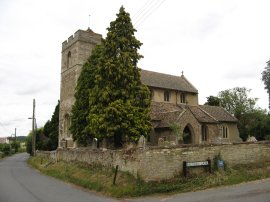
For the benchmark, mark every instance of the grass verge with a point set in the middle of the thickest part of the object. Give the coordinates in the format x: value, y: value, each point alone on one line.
x: 100, y: 179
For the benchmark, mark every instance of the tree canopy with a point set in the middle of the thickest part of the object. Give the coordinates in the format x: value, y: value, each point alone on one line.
x: 47, y: 136
x: 251, y: 119
x: 266, y: 80
x: 236, y: 101
x: 111, y: 101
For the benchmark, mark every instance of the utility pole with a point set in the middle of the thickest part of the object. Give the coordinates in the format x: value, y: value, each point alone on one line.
x: 33, y: 130
x: 15, y: 144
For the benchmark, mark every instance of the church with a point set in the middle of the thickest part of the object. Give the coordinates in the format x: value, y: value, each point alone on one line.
x: 174, y: 102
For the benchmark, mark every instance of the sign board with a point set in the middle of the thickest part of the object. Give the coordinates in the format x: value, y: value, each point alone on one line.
x: 186, y: 165
x: 198, y: 163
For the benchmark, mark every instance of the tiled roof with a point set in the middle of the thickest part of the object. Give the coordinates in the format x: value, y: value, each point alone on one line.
x: 167, y: 81
x: 165, y: 113
x: 168, y: 113
x: 219, y: 113
x: 201, y: 115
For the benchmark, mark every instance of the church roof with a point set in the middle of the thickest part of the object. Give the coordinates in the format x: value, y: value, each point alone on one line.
x: 218, y: 113
x: 160, y: 80
x: 166, y: 114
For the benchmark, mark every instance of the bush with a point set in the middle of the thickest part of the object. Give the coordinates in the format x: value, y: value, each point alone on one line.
x: 267, y: 137
x: 6, y: 149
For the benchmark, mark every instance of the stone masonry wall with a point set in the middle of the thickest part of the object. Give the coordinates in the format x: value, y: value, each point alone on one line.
x: 155, y: 164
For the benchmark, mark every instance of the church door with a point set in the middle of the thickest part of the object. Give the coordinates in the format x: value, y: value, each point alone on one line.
x: 187, y: 134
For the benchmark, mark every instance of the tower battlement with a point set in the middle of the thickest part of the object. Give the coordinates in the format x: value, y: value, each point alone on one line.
x: 87, y: 36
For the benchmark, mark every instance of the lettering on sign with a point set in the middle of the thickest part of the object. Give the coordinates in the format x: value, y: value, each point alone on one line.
x: 198, y: 163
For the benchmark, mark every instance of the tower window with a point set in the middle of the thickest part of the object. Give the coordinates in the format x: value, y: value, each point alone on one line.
x: 67, y: 124
x: 204, y: 132
x: 167, y: 95
x: 69, y: 60
x: 182, y: 98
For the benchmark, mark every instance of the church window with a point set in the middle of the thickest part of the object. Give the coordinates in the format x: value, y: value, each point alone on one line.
x: 204, y: 132
x: 224, y: 131
x: 167, y: 95
x: 69, y: 60
x: 152, y: 94
x: 183, y: 98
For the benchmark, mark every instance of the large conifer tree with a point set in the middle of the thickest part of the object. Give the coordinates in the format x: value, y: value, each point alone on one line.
x: 118, y: 102
x: 80, y: 109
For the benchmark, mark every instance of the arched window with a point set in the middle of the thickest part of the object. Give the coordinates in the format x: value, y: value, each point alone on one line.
x: 182, y: 98
x: 69, y: 59
x: 167, y: 95
x: 225, y: 131
x: 204, y: 132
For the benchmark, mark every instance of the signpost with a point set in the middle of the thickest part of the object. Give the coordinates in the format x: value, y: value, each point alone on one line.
x: 187, y: 165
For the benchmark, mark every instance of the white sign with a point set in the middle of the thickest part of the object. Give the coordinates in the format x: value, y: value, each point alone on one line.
x: 199, y: 163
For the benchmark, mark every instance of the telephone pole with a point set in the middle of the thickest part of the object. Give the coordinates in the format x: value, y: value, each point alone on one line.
x: 15, y: 135
x: 33, y: 130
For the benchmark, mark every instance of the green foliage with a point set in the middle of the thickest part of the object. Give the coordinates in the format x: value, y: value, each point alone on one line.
x: 213, y: 101
x: 111, y: 101
x: 266, y: 80
x: 236, y: 101
x: 100, y: 178
x: 80, y: 109
x: 252, y: 120
x: 215, y: 162
x: 5, y: 148
x: 29, y: 143
x: 15, y: 145
x: 50, y: 130
x: 176, y: 129
x: 46, y: 137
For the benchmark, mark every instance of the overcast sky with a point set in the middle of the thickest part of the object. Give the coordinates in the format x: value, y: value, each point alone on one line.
x: 218, y: 44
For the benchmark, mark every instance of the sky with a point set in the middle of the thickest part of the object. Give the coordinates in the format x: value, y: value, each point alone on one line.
x: 219, y: 44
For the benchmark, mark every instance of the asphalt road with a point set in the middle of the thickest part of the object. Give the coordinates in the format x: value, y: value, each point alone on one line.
x: 20, y: 183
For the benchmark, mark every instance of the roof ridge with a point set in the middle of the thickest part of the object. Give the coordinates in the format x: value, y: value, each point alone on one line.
x: 180, y: 115
x: 183, y: 77
x: 208, y: 113
x: 160, y: 73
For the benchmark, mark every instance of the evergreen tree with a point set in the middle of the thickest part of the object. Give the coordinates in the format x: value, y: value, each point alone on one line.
x: 80, y: 109
x: 119, y: 103
x: 50, y: 130
x: 266, y: 80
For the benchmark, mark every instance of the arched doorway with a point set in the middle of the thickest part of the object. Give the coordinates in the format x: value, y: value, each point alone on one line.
x: 188, y: 134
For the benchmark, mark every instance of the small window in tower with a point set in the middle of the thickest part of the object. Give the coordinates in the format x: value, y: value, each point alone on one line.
x: 167, y: 95
x: 69, y: 60
x: 183, y: 98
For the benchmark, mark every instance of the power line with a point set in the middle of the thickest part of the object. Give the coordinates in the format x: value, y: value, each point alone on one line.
x: 145, y: 16
x: 142, y: 9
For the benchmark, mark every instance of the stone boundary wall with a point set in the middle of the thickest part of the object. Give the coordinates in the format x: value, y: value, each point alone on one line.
x: 156, y: 163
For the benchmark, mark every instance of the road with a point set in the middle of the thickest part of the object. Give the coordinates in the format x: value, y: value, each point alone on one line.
x: 258, y: 191
x: 20, y: 183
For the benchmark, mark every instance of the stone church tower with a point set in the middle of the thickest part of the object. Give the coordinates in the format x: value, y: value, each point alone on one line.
x: 75, y: 52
